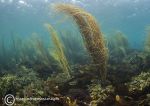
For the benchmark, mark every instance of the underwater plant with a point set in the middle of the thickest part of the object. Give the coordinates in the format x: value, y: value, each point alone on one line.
x: 99, y: 94
x: 15, y: 43
x: 7, y: 83
x: 71, y: 102
x: 3, y: 53
x: 118, y: 44
x: 91, y: 34
x: 40, y: 50
x: 13, y: 82
x: 139, y: 82
x: 147, y: 41
x: 26, y: 75
x: 58, y: 52
x: 35, y: 54
x: 74, y: 47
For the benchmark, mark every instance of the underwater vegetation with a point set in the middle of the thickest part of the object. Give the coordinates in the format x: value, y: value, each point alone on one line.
x: 73, y: 43
x: 121, y: 55
x: 147, y: 42
x: 70, y: 69
x: 12, y: 83
x: 99, y: 94
x: 139, y: 82
x: 118, y: 45
x: 58, y: 53
x: 91, y: 34
x: 36, y: 51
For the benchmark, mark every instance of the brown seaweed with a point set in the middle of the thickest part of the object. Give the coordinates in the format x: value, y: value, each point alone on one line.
x: 91, y: 34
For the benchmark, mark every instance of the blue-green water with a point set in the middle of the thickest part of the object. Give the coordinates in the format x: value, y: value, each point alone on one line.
x: 26, y: 16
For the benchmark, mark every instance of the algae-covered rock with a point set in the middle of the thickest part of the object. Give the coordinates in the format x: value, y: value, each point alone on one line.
x: 99, y: 94
x: 26, y: 76
x: 140, y: 82
x: 13, y: 83
x: 7, y: 83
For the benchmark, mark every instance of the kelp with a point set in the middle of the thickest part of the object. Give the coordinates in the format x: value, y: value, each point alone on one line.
x: 58, y: 52
x: 91, y: 34
x: 2, y: 47
x: 147, y: 41
x: 29, y: 51
x: 16, y: 44
x: 118, y: 45
x: 74, y: 47
x: 41, y: 50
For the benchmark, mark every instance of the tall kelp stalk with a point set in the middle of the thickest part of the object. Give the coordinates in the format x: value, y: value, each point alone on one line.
x: 41, y: 51
x: 15, y: 43
x: 147, y: 41
x: 91, y: 34
x: 4, y: 57
x: 118, y: 45
x: 59, y: 52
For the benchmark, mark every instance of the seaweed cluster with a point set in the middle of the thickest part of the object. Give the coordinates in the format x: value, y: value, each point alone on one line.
x: 147, y: 42
x: 99, y: 94
x: 118, y: 46
x: 140, y: 82
x: 77, y: 71
x: 91, y: 34
x: 73, y: 43
x: 58, y: 53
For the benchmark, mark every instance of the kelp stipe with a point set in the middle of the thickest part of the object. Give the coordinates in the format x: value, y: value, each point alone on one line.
x: 118, y: 45
x: 91, y: 34
x: 147, y: 41
x: 41, y: 50
x: 16, y: 46
x: 2, y: 49
x: 58, y: 53
x: 121, y: 40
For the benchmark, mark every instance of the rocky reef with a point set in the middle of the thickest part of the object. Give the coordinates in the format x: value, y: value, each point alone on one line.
x: 139, y: 82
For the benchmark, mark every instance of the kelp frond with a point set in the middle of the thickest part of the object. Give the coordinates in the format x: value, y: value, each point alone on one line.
x: 91, y: 34
x: 147, y: 41
x: 58, y: 53
x: 118, y: 44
